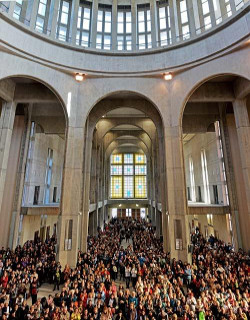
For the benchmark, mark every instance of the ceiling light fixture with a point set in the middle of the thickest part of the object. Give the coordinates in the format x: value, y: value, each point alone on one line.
x: 120, y: 205
x: 168, y: 76
x: 79, y: 77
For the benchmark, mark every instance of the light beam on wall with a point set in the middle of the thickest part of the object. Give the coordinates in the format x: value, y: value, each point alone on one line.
x: 69, y: 103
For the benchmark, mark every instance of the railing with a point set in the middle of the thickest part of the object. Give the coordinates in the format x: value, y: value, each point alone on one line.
x: 228, y: 7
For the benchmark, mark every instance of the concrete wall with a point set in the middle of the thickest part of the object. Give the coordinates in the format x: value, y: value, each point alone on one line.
x: 219, y: 226
x: 207, y: 142
x: 10, y: 182
x: 32, y: 224
x: 38, y: 166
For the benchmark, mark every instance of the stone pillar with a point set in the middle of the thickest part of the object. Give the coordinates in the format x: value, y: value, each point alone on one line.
x: 231, y: 182
x: 6, y: 128
x: 191, y: 19
x: 177, y: 230
x: 196, y: 16
x: 134, y: 24
x: 94, y: 24
x: 154, y: 20
x: 212, y: 13
x: 173, y: 21
x: 114, y: 25
x: 162, y: 190
x: 13, y: 241
x: 91, y: 224
x: 73, y: 21
x: 86, y: 188
x: 71, y: 199
x: 54, y: 14
x: 243, y: 133
x: 95, y: 220
x: 12, y: 8
x: 232, y: 5
x: 34, y: 14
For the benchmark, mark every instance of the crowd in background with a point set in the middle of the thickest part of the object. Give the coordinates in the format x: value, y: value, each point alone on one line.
x: 139, y: 282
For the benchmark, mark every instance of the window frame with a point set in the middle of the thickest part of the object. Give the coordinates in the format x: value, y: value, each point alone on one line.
x: 165, y: 5
x: 103, y: 34
x: 60, y: 24
x: 145, y: 8
x: 45, y: 18
x: 81, y: 30
x: 125, y: 35
x: 122, y: 176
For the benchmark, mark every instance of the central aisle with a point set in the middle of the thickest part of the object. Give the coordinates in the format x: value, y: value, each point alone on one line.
x: 125, y: 244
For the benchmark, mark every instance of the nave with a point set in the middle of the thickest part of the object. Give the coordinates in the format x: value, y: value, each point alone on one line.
x: 125, y: 274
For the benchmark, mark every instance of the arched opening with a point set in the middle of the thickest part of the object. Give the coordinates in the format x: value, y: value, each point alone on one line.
x: 123, y: 164
x: 33, y: 130
x: 215, y: 126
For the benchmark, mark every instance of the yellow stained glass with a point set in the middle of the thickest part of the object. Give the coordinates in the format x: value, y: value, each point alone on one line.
x: 116, y: 158
x: 116, y: 187
x: 140, y: 158
x: 140, y: 187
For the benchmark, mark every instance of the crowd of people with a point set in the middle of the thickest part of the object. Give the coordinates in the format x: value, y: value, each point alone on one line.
x: 135, y: 282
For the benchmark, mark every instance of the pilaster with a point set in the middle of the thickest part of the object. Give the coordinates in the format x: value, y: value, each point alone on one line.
x: 6, y: 128
x: 94, y: 24
x: 176, y: 216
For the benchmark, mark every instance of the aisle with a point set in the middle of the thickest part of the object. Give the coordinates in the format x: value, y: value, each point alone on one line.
x: 125, y: 244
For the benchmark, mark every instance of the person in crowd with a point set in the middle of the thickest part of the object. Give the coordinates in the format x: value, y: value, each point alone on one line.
x: 215, y: 286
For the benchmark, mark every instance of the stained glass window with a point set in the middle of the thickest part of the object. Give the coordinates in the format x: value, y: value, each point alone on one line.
x: 128, y: 170
x: 140, y: 158
x: 116, y: 187
x: 140, y: 187
x: 116, y: 158
x: 128, y: 176
x: 116, y: 170
x: 140, y: 170
x: 129, y: 187
x: 128, y: 158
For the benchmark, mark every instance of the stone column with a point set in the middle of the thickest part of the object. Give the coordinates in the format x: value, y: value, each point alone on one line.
x: 162, y: 196
x: 94, y: 24
x: 173, y: 21
x: 73, y: 21
x: 114, y: 25
x: 212, y: 13
x: 13, y: 241
x: 176, y: 195
x: 191, y: 19
x: 54, y: 14
x: 158, y: 222
x: 196, y: 16
x: 34, y: 14
x: 154, y: 20
x: 134, y: 24
x: 95, y: 221
x: 232, y: 5
x: 6, y: 128
x: 243, y: 133
x: 231, y: 183
x: 86, y: 188
x: 12, y: 8
x: 71, y: 199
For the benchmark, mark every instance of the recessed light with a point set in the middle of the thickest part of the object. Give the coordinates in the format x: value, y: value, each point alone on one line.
x: 79, y: 77
x: 168, y: 76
